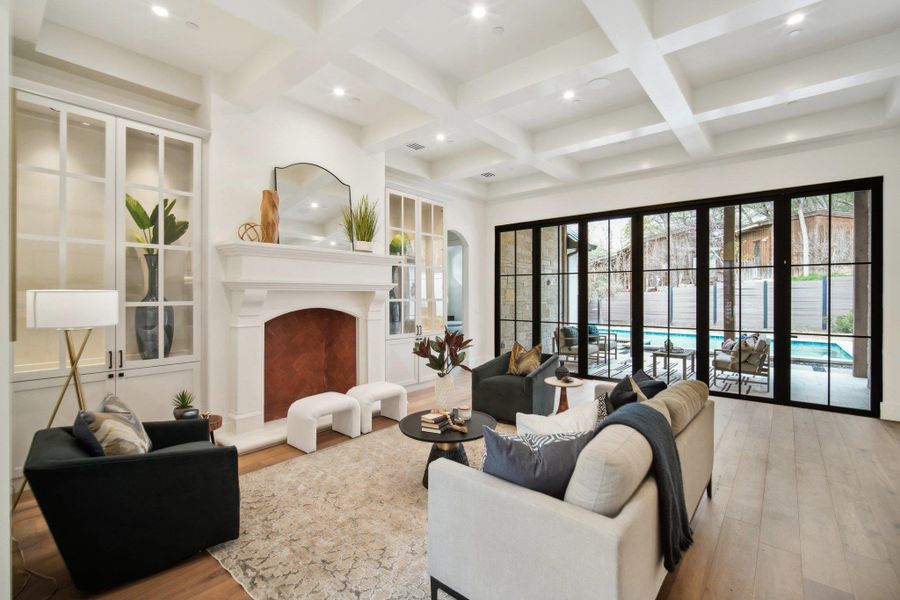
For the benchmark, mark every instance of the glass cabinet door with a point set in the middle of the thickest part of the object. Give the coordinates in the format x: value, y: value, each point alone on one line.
x: 158, y: 218
x: 65, y: 236
x: 402, y: 243
x: 431, y: 269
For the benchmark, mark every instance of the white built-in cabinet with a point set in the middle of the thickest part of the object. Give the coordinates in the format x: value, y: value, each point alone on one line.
x: 73, y: 230
x: 417, y: 303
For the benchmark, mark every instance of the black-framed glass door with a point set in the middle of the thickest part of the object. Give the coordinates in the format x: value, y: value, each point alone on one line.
x: 772, y: 296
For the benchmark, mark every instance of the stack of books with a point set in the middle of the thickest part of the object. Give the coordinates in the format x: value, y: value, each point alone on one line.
x: 436, y: 423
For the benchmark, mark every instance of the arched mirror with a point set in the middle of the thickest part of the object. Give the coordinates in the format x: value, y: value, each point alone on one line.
x: 312, y: 200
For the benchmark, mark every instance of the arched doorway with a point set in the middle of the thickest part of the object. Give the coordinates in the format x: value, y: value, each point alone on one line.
x: 457, y: 281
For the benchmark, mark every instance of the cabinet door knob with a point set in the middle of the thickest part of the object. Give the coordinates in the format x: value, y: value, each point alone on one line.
x: 120, y: 358
x: 109, y: 352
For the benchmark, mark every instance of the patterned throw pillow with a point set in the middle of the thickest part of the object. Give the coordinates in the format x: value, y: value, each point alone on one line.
x: 111, y: 430
x: 602, y: 407
x: 542, y: 462
x: 522, y: 362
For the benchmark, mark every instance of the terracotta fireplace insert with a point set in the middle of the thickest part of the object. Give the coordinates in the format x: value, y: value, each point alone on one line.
x: 308, y: 352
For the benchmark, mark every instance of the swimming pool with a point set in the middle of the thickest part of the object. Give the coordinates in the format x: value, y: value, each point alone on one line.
x: 800, y: 349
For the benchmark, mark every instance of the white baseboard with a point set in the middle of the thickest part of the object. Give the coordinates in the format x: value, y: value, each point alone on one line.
x: 890, y: 411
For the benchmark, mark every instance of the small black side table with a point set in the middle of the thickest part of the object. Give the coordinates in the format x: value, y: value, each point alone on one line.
x: 448, y: 444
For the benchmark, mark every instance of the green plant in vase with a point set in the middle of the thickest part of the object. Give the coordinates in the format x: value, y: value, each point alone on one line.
x: 183, y: 402
x: 360, y: 224
x: 443, y: 354
x: 146, y: 323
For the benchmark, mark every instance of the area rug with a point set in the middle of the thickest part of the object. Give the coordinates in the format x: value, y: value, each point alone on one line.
x: 348, y: 521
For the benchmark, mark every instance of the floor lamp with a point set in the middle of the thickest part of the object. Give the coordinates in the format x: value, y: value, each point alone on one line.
x: 70, y: 311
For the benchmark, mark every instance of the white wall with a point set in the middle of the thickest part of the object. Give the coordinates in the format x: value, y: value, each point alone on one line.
x: 242, y: 151
x: 5, y: 389
x: 864, y: 156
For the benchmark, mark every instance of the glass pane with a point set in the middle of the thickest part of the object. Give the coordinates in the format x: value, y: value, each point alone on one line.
x: 809, y: 300
x: 656, y: 299
x: 179, y: 282
x: 569, y: 298
x: 409, y: 317
x: 809, y: 369
x: 394, y: 319
x: 408, y: 288
x: 756, y: 234
x: 724, y: 301
x: 141, y: 221
x: 620, y: 244
x: 438, y: 212
x: 598, y: 298
x: 598, y: 246
x: 620, y: 352
x: 425, y: 289
x: 851, y: 227
x: 426, y: 315
x: 809, y: 230
x: 426, y: 217
x: 177, y: 223
x: 37, y: 205
x: 86, y: 267
x: 523, y: 251
x: 86, y: 212
x: 683, y: 239
x: 507, y: 252
x: 620, y: 298
x: 524, y: 333
x: 549, y: 250
x: 141, y: 157
x: 850, y: 295
x: 724, y: 227
x: 86, y: 146
x: 182, y: 330
x: 142, y: 333
x: 849, y: 377
x: 37, y: 135
x: 395, y: 292
x: 37, y: 267
x: 656, y: 249
x: 426, y: 250
x: 179, y: 166
x: 141, y: 276
x: 395, y: 211
x: 507, y: 335
x: 754, y: 361
x: 683, y: 298
x: 399, y: 243
x: 757, y: 299
x: 409, y: 214
x: 550, y: 304
x: 523, y: 298
x: 507, y: 297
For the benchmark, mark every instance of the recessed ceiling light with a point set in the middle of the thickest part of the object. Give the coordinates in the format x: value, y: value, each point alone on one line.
x: 339, y: 92
x: 791, y: 137
x: 332, y: 243
x: 479, y: 11
x: 569, y: 94
x: 314, y: 205
x: 440, y: 137
x: 599, y: 83
x: 795, y: 32
x: 795, y: 19
x: 160, y: 11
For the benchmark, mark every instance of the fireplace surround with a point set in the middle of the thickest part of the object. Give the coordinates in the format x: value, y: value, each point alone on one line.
x: 266, y: 282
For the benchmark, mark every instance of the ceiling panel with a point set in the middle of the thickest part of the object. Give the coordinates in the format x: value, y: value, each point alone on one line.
x: 553, y: 111
x: 444, y: 36
x: 221, y: 42
x: 505, y: 173
x: 627, y: 147
x: 454, y: 144
x: 828, y: 24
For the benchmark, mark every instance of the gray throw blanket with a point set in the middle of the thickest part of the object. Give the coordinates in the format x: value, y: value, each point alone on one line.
x: 674, y: 524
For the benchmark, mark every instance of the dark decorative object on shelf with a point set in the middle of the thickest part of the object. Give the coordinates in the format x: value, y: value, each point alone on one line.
x: 183, y: 403
x: 561, y: 371
x: 146, y: 322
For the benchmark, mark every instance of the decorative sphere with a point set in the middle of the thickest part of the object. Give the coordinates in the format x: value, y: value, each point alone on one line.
x: 249, y: 232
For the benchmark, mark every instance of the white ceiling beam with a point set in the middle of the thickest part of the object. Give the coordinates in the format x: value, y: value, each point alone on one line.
x: 276, y: 17
x: 27, y: 19
x: 850, y: 66
x: 626, y: 28
x: 403, y: 127
x: 469, y: 163
x: 506, y: 135
x: 402, y: 161
x: 718, y: 25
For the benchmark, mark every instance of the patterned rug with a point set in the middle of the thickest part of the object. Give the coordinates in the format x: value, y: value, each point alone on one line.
x: 348, y: 521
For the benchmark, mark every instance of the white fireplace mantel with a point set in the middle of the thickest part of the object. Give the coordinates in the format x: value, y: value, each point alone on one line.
x: 268, y: 280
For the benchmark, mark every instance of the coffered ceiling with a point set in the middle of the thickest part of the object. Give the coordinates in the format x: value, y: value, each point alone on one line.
x: 532, y: 95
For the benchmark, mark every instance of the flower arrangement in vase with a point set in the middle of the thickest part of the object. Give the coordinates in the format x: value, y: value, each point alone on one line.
x: 443, y: 354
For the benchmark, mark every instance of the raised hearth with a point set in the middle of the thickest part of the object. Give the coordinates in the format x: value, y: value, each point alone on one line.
x: 266, y: 281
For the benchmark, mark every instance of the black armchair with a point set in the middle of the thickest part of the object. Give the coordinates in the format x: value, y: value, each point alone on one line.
x: 117, y: 518
x: 502, y: 396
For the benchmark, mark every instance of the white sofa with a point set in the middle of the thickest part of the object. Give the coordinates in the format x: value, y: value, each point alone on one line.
x: 489, y: 539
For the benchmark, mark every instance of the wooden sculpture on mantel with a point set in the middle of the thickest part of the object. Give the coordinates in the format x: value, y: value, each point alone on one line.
x: 268, y: 217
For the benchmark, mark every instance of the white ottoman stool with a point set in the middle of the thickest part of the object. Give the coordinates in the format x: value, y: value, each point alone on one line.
x: 390, y: 397
x: 303, y: 416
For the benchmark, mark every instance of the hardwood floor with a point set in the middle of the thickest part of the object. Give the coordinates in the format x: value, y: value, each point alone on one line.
x: 806, y: 504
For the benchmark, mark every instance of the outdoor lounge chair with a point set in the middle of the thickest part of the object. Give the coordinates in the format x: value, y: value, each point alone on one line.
x: 745, y: 363
x: 599, y: 345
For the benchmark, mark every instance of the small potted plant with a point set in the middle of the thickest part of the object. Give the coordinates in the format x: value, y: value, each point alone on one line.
x: 443, y: 354
x: 361, y: 223
x: 184, y: 405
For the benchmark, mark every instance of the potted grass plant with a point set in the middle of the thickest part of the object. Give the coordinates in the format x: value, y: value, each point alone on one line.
x: 360, y: 224
x: 184, y: 406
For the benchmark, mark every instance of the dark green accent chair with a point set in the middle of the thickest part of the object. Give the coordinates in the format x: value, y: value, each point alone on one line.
x: 502, y: 396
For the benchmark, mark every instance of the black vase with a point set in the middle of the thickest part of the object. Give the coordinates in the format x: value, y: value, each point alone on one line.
x: 146, y: 323
x: 561, y: 371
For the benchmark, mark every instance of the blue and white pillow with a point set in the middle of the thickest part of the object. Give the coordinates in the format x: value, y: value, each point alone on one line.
x: 543, y: 462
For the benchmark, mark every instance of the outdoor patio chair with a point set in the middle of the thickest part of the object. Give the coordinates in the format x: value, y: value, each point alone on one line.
x: 745, y: 363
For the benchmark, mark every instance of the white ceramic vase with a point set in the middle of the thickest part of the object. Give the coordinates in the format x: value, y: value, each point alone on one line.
x: 361, y: 246
x: 444, y: 391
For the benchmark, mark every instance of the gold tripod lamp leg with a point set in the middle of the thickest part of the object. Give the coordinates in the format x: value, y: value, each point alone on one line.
x: 74, y: 357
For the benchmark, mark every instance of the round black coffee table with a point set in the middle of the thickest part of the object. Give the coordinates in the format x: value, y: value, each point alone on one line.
x: 448, y: 444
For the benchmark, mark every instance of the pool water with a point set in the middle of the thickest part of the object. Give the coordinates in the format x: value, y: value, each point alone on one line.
x: 800, y: 349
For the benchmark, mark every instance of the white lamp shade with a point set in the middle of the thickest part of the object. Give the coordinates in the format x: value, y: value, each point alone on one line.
x: 71, y: 309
